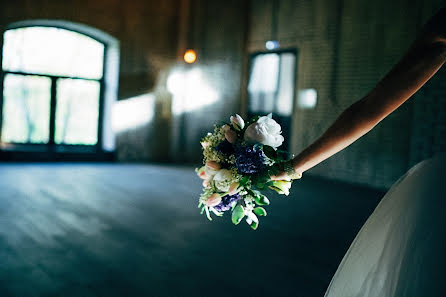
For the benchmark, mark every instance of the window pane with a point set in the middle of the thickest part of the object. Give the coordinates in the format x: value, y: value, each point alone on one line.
x: 52, y: 51
x: 77, y: 111
x: 26, y: 109
x: 263, y: 83
x: 271, y: 83
x: 284, y: 102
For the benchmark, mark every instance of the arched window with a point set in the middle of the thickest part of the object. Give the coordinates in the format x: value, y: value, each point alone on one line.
x: 58, y: 82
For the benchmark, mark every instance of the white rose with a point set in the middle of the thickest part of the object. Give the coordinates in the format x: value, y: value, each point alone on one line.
x: 266, y: 131
x: 209, y: 173
x: 222, y: 180
x: 237, y: 122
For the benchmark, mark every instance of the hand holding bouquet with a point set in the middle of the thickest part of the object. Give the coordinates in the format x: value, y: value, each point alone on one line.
x: 239, y: 160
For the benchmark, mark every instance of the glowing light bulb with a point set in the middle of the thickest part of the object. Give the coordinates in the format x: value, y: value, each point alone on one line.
x: 272, y: 44
x: 190, y: 56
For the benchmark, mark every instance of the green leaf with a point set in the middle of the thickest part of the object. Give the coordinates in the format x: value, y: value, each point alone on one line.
x: 250, y: 121
x: 261, y: 200
x: 270, y: 152
x: 278, y: 190
x: 254, y: 225
x: 238, y: 214
x: 260, y: 186
x: 245, y: 181
x: 260, y: 211
x: 275, y: 169
x: 254, y: 193
x: 260, y: 181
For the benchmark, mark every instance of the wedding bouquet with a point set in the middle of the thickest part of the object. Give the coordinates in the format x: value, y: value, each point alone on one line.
x: 238, y: 163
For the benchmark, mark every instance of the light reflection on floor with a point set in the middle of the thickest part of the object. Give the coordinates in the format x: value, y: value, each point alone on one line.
x: 132, y: 230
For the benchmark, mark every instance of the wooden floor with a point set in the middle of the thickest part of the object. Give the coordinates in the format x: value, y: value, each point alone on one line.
x: 135, y: 230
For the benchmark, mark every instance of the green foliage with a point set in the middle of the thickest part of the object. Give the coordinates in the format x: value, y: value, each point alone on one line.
x: 254, y: 225
x: 245, y: 182
x: 260, y: 181
x: 238, y: 214
x: 270, y: 152
x: 261, y: 200
x: 260, y: 211
x: 252, y: 120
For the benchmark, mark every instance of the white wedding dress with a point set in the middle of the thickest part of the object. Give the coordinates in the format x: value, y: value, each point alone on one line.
x: 401, y: 249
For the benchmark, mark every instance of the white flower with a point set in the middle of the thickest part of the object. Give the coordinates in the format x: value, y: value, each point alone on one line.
x: 213, y: 165
x: 202, y: 173
x: 226, y: 128
x: 266, y: 131
x: 250, y: 216
x: 205, y: 144
x: 231, y: 136
x: 213, y: 200
x: 210, y: 173
x: 281, y: 186
x: 234, y: 188
x: 237, y: 122
x: 223, y: 179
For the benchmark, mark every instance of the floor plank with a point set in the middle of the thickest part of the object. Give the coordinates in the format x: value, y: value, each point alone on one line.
x: 134, y: 230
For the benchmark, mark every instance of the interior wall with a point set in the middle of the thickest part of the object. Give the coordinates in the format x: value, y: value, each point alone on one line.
x: 147, y: 31
x: 153, y: 36
x: 219, y: 37
x: 429, y: 119
x: 148, y: 35
x: 345, y: 47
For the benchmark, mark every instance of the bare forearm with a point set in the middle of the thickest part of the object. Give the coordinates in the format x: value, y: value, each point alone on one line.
x: 420, y: 63
x: 343, y: 132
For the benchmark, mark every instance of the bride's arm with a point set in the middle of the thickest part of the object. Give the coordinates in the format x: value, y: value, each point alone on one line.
x: 419, y: 64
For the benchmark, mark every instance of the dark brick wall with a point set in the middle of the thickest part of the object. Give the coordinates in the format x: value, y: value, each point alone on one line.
x: 148, y: 35
x: 153, y: 36
x: 345, y: 47
x: 147, y: 31
x: 429, y: 119
x: 220, y: 43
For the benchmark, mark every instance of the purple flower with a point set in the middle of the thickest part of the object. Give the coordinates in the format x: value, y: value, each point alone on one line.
x: 249, y: 159
x: 226, y: 202
x: 225, y: 147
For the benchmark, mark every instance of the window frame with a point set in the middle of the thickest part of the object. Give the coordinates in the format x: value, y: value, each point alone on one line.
x: 51, y: 149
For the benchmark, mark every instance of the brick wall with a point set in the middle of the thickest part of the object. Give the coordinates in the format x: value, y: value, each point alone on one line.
x: 345, y: 47
x: 220, y: 44
x: 148, y: 35
x: 429, y: 119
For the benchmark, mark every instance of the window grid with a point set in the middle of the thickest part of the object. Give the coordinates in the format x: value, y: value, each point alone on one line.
x: 51, y: 145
